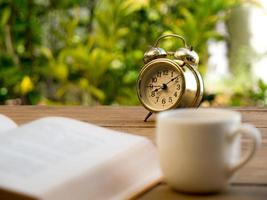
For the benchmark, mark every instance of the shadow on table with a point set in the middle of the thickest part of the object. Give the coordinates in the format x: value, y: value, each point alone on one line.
x: 236, y: 192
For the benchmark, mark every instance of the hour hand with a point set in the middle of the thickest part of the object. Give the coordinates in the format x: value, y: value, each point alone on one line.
x: 161, y: 87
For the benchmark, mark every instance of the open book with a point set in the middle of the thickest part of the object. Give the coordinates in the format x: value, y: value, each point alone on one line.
x: 61, y: 158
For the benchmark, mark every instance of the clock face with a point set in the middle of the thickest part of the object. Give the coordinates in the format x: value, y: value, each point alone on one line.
x: 160, y: 86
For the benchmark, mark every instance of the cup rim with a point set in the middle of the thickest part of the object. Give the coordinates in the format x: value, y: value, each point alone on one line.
x: 171, y: 115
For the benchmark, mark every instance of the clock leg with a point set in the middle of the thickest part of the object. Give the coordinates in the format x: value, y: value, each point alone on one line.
x: 148, y: 115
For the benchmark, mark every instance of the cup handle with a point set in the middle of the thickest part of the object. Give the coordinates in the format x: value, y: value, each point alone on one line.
x: 255, y: 135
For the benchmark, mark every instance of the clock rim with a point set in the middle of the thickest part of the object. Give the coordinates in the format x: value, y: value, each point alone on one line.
x: 200, y: 86
x: 158, y: 61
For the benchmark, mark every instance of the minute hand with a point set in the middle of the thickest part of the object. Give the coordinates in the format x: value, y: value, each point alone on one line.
x: 172, y: 80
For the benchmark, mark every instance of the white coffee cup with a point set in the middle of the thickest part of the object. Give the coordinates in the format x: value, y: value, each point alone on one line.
x: 200, y: 149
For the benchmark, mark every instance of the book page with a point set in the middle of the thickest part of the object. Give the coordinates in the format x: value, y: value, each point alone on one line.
x: 46, y: 153
x: 6, y: 123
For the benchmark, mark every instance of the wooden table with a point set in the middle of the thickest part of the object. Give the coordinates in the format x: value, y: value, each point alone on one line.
x: 250, y: 183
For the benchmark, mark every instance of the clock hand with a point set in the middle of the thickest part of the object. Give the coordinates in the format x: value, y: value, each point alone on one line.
x: 172, y: 79
x: 157, y: 89
x: 165, y: 85
x: 153, y: 86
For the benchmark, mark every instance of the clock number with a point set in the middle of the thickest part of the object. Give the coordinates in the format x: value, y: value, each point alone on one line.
x: 152, y: 94
x: 170, y: 99
x: 165, y: 72
x: 157, y: 99
x: 178, y: 87
x: 154, y: 79
x: 163, y: 101
x: 175, y: 94
x: 150, y: 86
x: 159, y: 74
x: 172, y: 74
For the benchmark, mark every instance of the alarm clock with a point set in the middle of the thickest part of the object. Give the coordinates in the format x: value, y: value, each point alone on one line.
x: 169, y: 79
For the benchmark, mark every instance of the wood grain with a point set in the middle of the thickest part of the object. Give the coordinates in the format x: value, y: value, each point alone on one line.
x: 250, y: 183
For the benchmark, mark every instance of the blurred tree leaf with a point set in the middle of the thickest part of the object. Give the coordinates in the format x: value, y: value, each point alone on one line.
x: 4, y: 16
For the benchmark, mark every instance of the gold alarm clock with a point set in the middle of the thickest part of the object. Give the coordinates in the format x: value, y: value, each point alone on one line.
x: 169, y: 79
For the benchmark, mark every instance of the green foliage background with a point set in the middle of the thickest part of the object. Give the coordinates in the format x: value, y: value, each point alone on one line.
x: 90, y: 52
